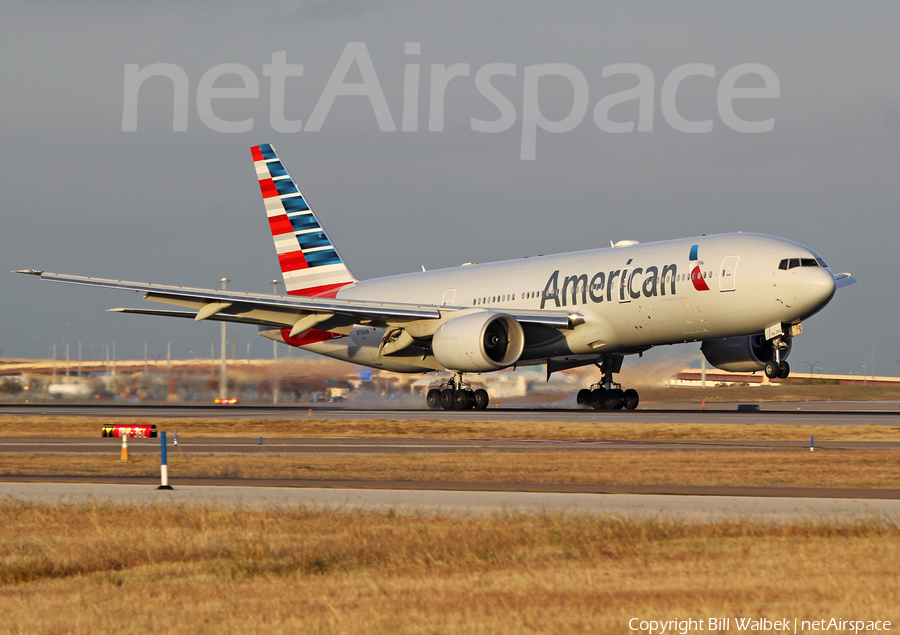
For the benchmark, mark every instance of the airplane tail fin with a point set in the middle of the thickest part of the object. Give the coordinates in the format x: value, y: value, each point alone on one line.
x: 310, y: 264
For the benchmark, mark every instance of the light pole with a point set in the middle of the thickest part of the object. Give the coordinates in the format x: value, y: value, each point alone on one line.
x: 811, y: 368
x: 223, y: 371
x: 274, y: 284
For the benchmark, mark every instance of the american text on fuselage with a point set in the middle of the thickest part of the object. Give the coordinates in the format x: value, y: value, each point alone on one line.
x: 655, y: 279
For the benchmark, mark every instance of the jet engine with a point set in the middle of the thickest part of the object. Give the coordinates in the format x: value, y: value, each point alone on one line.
x: 741, y: 354
x: 478, y: 342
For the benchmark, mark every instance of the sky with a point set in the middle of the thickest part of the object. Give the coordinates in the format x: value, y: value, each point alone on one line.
x: 86, y: 193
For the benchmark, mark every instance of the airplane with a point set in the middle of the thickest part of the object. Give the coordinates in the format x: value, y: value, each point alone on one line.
x: 744, y: 296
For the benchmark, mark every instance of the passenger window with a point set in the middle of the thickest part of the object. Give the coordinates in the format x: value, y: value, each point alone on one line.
x: 795, y: 262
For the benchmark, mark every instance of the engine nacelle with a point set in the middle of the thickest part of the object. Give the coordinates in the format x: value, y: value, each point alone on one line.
x: 741, y: 354
x: 478, y: 342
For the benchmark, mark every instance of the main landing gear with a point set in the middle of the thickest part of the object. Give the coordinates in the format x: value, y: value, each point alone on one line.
x: 776, y: 367
x: 608, y: 395
x: 457, y: 395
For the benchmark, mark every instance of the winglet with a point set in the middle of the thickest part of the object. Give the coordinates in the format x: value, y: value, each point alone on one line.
x: 28, y: 272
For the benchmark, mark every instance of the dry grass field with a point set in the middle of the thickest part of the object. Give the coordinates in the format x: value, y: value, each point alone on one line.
x: 794, y: 468
x: 166, y: 569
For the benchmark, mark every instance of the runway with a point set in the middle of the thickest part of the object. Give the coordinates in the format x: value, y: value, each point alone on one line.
x: 883, y: 413
x: 691, y: 503
x: 471, y: 503
x: 394, y: 446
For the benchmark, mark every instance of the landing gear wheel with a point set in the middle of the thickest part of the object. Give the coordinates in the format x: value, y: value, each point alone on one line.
x: 482, y: 399
x: 772, y: 370
x: 433, y: 399
x: 613, y: 400
x: 447, y: 399
x: 632, y: 399
x: 584, y: 397
x: 463, y: 400
x: 597, y: 398
x: 785, y: 370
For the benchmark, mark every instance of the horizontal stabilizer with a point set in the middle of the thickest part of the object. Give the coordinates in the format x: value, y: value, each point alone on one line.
x: 190, y: 315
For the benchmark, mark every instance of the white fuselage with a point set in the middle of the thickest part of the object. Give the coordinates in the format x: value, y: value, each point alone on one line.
x: 630, y: 298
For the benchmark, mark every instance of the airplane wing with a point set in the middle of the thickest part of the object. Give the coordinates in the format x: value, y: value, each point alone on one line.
x: 297, y: 312
x: 843, y: 279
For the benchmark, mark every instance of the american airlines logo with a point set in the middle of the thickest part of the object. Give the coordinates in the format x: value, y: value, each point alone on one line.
x: 623, y: 285
x: 513, y: 102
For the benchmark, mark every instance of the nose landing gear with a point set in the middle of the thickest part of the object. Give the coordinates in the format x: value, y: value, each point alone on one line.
x: 457, y: 395
x: 776, y: 367
x: 607, y: 394
x: 780, y: 370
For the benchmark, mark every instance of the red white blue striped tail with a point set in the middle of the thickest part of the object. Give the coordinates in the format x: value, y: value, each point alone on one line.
x: 310, y: 264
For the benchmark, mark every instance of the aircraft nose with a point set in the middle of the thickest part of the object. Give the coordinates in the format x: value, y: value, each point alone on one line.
x: 821, y: 286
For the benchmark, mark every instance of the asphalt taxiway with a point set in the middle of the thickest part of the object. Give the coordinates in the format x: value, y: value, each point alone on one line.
x: 883, y: 413
x: 471, y: 503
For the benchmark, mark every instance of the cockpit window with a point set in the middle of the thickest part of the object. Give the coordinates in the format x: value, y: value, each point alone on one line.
x: 791, y: 263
